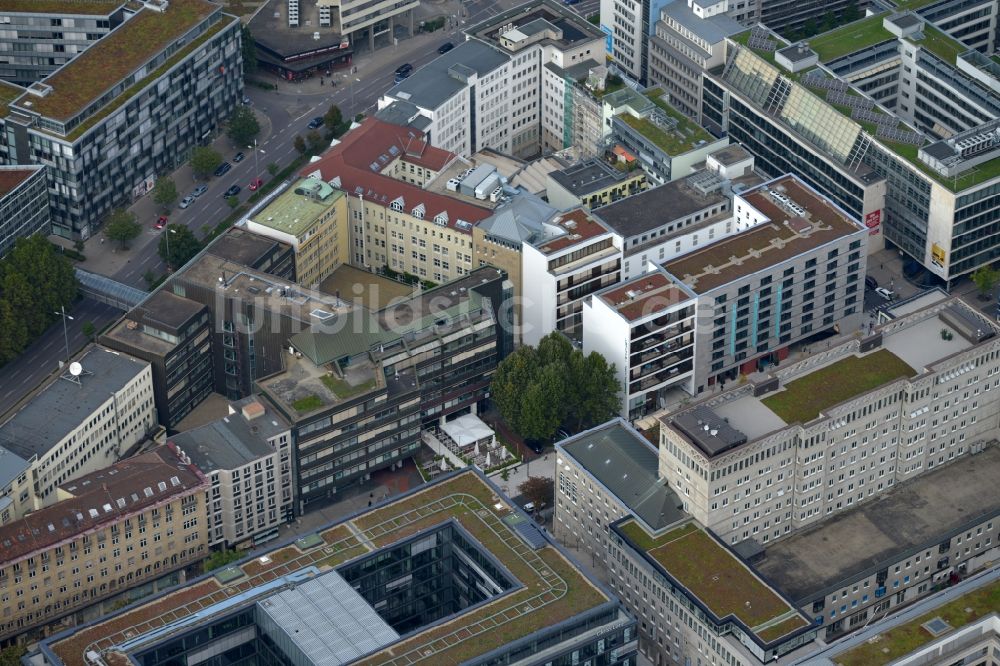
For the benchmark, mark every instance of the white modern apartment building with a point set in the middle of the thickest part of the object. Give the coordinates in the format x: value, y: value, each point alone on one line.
x: 494, y: 90
x: 820, y: 435
x: 247, y: 457
x: 85, y: 419
x: 572, y: 257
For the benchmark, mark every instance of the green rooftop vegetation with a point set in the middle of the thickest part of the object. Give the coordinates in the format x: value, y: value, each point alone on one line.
x: 116, y: 56
x: 8, y: 93
x: 681, y: 139
x: 343, y: 390
x: 974, y: 176
x: 719, y: 580
x: 86, y: 7
x: 803, y: 399
x: 743, y: 38
x: 906, y: 638
x: 308, y: 403
x: 913, y: 4
x: 943, y: 46
x: 850, y: 38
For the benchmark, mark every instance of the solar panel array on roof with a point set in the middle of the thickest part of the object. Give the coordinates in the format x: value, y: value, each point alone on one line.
x: 527, y: 530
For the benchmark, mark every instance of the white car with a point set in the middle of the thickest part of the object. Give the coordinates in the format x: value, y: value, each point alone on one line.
x: 529, y: 507
x: 186, y: 201
x: 887, y: 294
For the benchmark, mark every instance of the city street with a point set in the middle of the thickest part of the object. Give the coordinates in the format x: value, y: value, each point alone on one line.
x: 22, y: 375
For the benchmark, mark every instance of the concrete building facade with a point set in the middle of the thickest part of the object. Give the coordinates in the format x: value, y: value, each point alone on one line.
x: 24, y: 204
x: 113, y: 529
x: 77, y: 424
x: 247, y: 459
x: 105, y: 126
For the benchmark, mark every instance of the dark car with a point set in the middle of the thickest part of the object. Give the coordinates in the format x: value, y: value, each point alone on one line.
x: 535, y: 445
x: 232, y: 191
x: 223, y: 169
x: 238, y: 157
x: 871, y: 283
x: 315, y: 123
x: 404, y: 70
x: 444, y: 48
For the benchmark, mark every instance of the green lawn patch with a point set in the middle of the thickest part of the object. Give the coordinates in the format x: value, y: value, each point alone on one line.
x: 680, y: 140
x: 8, y: 93
x: 804, y: 398
x: 943, y: 46
x: 850, y: 38
x: 114, y: 57
x: 91, y: 7
x: 307, y: 404
x: 906, y: 638
x: 342, y: 389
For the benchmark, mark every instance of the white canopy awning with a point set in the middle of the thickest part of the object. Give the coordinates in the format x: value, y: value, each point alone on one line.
x: 467, y: 430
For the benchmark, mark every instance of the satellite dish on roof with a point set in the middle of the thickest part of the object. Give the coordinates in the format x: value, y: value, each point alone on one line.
x: 75, y: 369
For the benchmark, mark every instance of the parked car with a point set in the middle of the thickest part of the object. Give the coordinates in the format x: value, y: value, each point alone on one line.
x: 232, y: 191
x: 315, y: 123
x: 223, y: 169
x: 186, y: 201
x: 198, y: 191
x: 887, y: 294
x: 405, y: 69
x: 535, y: 446
x: 529, y: 507
x: 238, y: 157
x: 247, y: 101
x: 255, y: 184
x: 871, y: 283
x: 444, y: 48
x: 161, y: 222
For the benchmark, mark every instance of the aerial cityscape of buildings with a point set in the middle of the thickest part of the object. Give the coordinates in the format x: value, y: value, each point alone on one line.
x: 562, y: 333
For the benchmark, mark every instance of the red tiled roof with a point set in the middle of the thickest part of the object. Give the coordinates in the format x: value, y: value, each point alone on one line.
x: 100, y: 492
x: 369, y: 145
x: 11, y: 178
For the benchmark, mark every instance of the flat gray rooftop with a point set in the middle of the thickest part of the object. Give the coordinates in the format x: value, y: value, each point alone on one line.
x: 750, y: 416
x: 671, y: 201
x: 325, y: 620
x: 587, y: 176
x: 432, y: 85
x: 921, y: 345
x: 917, y: 514
x: 626, y: 464
x: 62, y: 405
x: 924, y: 299
x: 228, y: 443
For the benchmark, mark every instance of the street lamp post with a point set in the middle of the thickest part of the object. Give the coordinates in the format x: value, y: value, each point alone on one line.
x: 62, y: 313
x: 169, y: 231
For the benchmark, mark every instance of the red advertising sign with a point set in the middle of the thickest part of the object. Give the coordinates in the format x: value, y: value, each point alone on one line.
x: 873, y: 219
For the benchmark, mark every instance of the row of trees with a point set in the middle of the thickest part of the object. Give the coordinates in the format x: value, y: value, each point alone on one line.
x: 334, y: 126
x: 538, y: 390
x: 828, y: 22
x: 35, y: 280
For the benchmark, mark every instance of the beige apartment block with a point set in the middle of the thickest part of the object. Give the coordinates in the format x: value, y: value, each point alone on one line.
x: 113, y: 529
x: 840, y: 427
x: 311, y: 216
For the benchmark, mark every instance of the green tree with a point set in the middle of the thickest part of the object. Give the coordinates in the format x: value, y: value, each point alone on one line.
x: 11, y: 656
x: 851, y: 13
x: 242, y: 126
x: 249, y: 52
x: 300, y: 144
x: 221, y: 558
x: 121, y: 226
x: 985, y: 279
x: 89, y: 329
x: 538, y: 490
x: 79, y: 246
x: 27, y: 303
x: 595, y: 390
x: 273, y: 168
x: 233, y: 201
x: 333, y: 118
x: 165, y: 192
x: 810, y: 29
x: 544, y: 404
x: 315, y: 141
x: 177, y: 245
x: 516, y: 372
x: 204, y: 160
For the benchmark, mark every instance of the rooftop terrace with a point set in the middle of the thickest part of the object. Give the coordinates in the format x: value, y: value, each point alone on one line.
x: 782, y: 237
x: 579, y: 226
x: 553, y: 589
x: 643, y: 296
x: 296, y: 209
x: 805, y: 398
x: 686, y: 136
x: 912, y: 517
x: 717, y: 578
x: 114, y: 57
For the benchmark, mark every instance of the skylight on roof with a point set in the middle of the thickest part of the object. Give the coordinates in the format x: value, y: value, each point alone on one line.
x: 174, y: 481
x: 148, y: 491
x: 322, y: 315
